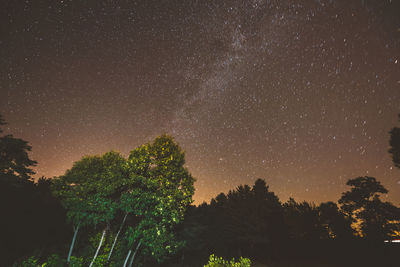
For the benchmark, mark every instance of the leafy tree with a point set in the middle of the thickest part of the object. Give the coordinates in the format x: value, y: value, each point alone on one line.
x: 153, y: 187
x: 75, y: 202
x: 379, y: 220
x: 395, y: 145
x: 14, y: 158
x: 162, y: 190
x: 88, y: 191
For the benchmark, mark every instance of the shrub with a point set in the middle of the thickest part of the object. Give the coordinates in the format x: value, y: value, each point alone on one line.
x: 215, y: 261
x: 76, y: 262
x: 30, y: 262
x: 54, y: 261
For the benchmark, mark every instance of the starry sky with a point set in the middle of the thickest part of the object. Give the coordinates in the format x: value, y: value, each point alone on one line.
x: 299, y: 93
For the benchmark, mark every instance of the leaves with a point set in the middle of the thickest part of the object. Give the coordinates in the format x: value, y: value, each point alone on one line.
x: 160, y: 189
x: 153, y: 186
x: 215, y: 261
x: 88, y: 189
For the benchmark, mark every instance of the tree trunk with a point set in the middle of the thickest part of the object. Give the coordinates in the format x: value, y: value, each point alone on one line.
x: 73, y: 242
x: 116, y: 237
x: 134, y: 254
x: 98, y: 248
x: 127, y: 257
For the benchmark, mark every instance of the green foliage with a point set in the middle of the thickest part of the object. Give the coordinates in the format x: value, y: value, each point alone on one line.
x: 101, y: 260
x: 153, y: 187
x: 30, y: 262
x: 215, y: 261
x: 76, y: 261
x: 54, y: 260
x: 87, y: 189
x: 160, y: 190
x: 161, y: 166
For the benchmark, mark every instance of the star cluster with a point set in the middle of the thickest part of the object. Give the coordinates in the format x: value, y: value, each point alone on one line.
x: 299, y: 93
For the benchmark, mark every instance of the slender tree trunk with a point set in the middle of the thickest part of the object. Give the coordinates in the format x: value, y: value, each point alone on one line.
x: 127, y: 257
x: 73, y: 242
x: 98, y: 248
x: 116, y: 237
x: 134, y: 254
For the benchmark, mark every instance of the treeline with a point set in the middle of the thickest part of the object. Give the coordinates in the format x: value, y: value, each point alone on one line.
x: 118, y: 211
x: 108, y: 210
x: 31, y: 218
x: 251, y: 221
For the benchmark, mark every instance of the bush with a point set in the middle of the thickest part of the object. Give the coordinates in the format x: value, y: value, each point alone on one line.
x: 220, y: 262
x: 76, y: 262
x: 54, y: 261
x: 30, y: 262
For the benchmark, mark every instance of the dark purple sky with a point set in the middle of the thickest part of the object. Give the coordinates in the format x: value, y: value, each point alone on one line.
x: 300, y: 93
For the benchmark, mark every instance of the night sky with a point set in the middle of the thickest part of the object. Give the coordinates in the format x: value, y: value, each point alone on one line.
x: 299, y: 93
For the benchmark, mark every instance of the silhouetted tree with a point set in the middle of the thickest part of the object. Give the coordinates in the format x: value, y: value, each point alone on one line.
x: 378, y: 219
x: 336, y: 222
x: 193, y: 231
x: 31, y: 218
x: 303, y: 221
x: 247, y: 220
x: 14, y: 158
x: 395, y: 145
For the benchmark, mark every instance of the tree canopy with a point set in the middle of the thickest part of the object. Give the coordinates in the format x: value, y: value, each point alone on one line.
x: 14, y: 157
x: 137, y: 211
x: 147, y: 195
x: 379, y: 219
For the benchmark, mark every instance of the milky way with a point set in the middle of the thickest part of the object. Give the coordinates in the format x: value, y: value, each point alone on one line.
x: 299, y: 93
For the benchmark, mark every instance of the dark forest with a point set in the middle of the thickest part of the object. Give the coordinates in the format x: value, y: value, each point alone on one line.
x: 138, y: 212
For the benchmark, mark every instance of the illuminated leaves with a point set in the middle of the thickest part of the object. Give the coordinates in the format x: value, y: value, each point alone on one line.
x: 152, y: 186
x: 162, y: 190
